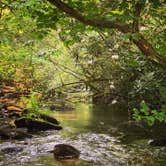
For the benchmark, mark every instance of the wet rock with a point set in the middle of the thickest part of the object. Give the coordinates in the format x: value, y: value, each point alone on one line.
x: 135, y: 128
x: 9, y: 150
x: 64, y: 151
x: 6, y: 132
x: 49, y: 119
x: 158, y: 131
x: 15, y: 114
x: 36, y: 124
x: 157, y: 142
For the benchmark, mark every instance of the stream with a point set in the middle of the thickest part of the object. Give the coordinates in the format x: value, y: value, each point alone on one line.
x: 93, y: 131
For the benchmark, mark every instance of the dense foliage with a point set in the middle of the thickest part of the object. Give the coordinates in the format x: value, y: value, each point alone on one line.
x: 114, y: 50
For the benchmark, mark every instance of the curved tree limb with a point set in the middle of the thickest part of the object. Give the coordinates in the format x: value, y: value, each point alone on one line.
x: 144, y: 46
x: 95, y: 23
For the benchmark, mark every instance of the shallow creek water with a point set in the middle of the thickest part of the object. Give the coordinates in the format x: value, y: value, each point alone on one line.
x: 93, y: 131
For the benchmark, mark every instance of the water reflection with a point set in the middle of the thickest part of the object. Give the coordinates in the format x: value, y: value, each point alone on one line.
x: 92, y: 118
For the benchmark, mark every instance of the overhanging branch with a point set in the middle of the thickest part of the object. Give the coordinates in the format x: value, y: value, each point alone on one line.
x: 144, y: 46
x: 95, y: 23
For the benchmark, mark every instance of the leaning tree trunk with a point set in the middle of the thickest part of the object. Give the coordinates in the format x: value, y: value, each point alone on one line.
x: 146, y: 48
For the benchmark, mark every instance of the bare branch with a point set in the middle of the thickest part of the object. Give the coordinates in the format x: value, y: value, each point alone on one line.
x: 65, y: 69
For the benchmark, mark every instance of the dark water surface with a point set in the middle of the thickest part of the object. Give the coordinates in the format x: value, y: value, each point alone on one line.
x: 93, y: 131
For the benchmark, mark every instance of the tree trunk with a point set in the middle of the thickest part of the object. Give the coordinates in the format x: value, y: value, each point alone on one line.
x: 147, y: 49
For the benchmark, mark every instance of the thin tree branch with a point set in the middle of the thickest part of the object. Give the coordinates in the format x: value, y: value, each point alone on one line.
x: 137, y: 12
x: 64, y: 68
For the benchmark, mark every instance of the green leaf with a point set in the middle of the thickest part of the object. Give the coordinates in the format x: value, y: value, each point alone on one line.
x: 150, y: 120
x: 117, y: 12
x: 144, y: 106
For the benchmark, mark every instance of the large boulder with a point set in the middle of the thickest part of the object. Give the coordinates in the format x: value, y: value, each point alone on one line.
x: 64, y: 151
x: 36, y: 124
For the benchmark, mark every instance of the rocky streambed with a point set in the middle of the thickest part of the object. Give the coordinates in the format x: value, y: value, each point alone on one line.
x: 94, y: 132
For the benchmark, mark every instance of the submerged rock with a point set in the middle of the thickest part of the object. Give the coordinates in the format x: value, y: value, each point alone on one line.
x: 7, y: 132
x: 64, y: 151
x: 9, y: 150
x: 61, y: 108
x: 36, y: 124
x: 157, y: 142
